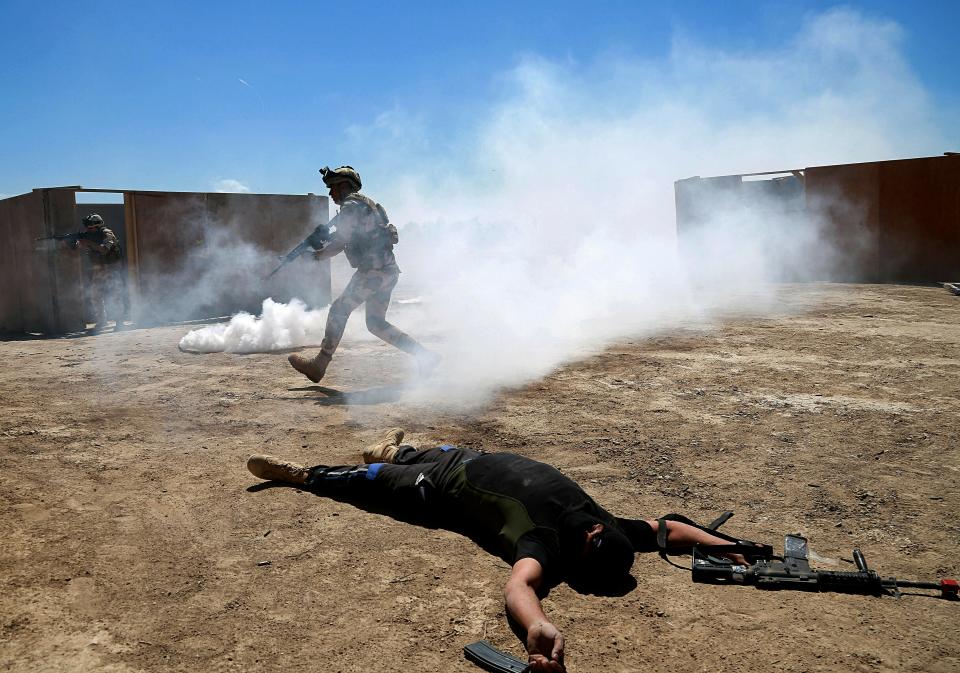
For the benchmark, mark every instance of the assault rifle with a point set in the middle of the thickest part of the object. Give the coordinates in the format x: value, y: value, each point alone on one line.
x: 793, y: 571
x: 96, y: 236
x: 316, y: 240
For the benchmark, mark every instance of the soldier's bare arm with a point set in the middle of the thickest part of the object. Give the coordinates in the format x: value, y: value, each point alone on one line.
x: 683, y: 535
x: 544, y: 640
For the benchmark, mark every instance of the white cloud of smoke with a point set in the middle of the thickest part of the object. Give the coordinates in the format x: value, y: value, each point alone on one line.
x: 278, y: 327
x: 549, y: 232
x: 212, y: 255
x: 230, y: 186
x: 559, y: 236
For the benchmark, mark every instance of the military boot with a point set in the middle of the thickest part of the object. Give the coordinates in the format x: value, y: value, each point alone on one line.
x: 313, y: 369
x: 384, y: 451
x: 274, y: 469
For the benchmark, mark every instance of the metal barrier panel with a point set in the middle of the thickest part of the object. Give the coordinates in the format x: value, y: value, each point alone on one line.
x: 66, y: 267
x: 199, y: 255
x: 44, y: 277
x: 920, y: 219
x: 17, y: 214
x: 846, y: 202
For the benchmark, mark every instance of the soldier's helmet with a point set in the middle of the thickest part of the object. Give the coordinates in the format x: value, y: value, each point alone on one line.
x: 93, y: 220
x: 334, y: 176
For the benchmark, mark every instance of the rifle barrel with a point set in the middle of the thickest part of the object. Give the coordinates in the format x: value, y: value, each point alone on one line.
x: 947, y: 586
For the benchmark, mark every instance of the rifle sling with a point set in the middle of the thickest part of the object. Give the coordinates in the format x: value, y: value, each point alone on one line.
x: 720, y: 520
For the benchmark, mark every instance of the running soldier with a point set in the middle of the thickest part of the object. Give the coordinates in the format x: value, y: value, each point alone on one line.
x: 364, y: 233
x: 106, y: 290
x: 544, y: 524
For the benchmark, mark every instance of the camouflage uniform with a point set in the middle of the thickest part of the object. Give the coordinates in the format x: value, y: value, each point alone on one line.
x: 107, y: 287
x: 368, y: 238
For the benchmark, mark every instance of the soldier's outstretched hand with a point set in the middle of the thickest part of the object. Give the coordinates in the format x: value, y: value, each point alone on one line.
x: 545, y: 647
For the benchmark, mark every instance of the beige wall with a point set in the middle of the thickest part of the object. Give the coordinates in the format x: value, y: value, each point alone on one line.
x: 188, y: 255
x: 42, y: 279
x: 847, y: 198
x: 16, y: 215
x: 885, y: 221
x: 195, y: 255
x: 899, y: 220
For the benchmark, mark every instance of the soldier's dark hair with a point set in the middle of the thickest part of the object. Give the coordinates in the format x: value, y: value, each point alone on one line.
x: 610, y: 553
x: 608, y: 558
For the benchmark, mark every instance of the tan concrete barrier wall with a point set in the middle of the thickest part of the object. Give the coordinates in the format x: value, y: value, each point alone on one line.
x: 188, y: 256
x: 886, y: 221
x: 198, y: 255
x: 43, y: 279
x: 920, y: 219
x: 846, y: 200
x: 19, y: 217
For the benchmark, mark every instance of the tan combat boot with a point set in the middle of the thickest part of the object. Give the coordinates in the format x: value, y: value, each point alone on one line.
x: 274, y: 469
x: 384, y: 451
x: 313, y: 369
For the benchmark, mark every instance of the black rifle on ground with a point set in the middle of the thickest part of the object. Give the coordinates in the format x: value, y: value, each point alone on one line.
x: 74, y: 238
x: 793, y: 571
x: 316, y: 240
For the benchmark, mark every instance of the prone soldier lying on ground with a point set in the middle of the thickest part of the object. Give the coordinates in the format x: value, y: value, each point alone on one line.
x: 546, y: 526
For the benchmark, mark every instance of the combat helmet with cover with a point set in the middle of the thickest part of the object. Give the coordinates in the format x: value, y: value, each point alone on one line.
x: 335, y: 176
x: 93, y: 220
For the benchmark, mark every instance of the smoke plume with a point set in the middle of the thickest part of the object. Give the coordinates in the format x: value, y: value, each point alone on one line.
x: 547, y: 230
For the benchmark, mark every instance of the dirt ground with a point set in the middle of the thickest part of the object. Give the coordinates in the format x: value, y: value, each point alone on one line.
x: 134, y: 542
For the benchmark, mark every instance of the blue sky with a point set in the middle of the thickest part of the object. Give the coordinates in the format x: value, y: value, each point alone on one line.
x: 196, y: 96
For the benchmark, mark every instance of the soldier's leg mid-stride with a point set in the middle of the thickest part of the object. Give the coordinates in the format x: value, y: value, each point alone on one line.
x: 362, y: 231
x: 373, y: 288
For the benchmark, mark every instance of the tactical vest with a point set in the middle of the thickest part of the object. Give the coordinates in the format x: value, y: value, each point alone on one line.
x: 372, y: 237
x: 114, y: 252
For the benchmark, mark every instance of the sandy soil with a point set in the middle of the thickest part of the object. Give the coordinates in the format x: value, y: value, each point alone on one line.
x: 133, y: 540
